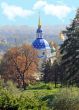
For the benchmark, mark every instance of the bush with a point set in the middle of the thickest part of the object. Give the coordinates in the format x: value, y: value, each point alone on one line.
x: 67, y: 99
x: 7, y: 101
x: 50, y: 86
x: 12, y: 98
x: 31, y: 103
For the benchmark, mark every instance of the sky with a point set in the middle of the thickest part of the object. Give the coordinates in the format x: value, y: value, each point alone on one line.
x: 26, y: 12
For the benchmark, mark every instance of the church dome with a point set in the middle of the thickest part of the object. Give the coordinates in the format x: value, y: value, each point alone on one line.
x: 41, y: 43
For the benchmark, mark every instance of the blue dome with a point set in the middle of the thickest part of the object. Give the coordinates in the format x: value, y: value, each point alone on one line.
x: 40, y: 43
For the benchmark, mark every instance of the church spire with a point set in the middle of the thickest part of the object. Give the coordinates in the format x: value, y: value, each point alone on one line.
x: 39, y: 22
x: 39, y: 30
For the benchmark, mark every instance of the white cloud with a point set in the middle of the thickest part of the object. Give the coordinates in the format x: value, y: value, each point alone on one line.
x: 39, y: 4
x: 14, y: 11
x: 60, y: 10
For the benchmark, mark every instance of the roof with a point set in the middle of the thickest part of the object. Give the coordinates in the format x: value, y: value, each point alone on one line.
x: 41, y: 43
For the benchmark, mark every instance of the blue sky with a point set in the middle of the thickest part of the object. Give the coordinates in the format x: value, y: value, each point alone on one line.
x: 25, y: 12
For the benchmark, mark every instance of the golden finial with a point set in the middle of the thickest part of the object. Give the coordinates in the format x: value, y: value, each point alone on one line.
x: 39, y: 22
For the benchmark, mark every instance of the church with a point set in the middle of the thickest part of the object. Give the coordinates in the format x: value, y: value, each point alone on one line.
x: 41, y: 45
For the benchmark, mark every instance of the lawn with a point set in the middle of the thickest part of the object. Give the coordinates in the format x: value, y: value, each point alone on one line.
x: 39, y: 96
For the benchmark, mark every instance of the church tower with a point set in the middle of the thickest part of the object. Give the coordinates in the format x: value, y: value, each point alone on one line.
x: 40, y: 44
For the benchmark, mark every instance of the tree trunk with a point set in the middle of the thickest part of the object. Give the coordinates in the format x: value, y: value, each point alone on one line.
x: 24, y: 84
x: 55, y: 79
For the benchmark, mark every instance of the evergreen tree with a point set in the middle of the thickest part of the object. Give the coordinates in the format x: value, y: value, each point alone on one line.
x: 70, y: 53
x: 50, y: 72
x: 46, y: 69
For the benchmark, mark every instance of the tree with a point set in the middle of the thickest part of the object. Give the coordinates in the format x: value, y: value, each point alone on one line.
x: 51, y: 68
x: 55, y: 73
x: 20, y: 64
x: 51, y: 72
x: 46, y: 69
x: 70, y: 53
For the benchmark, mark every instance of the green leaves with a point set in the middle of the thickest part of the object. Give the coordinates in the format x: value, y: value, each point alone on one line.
x: 70, y: 52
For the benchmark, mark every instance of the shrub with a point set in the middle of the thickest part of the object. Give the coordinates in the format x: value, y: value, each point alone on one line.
x: 27, y: 103
x: 7, y: 101
x: 12, y: 98
x: 66, y: 100
x: 50, y: 86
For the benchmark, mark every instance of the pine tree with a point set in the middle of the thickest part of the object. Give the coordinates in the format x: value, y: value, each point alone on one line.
x: 70, y: 53
x: 46, y: 69
x: 50, y: 72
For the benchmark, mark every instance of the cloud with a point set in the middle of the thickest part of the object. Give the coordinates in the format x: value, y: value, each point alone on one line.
x: 59, y: 10
x: 39, y: 4
x: 15, y: 11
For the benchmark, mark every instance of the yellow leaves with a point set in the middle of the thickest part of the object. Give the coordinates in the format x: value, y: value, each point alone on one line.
x: 62, y: 37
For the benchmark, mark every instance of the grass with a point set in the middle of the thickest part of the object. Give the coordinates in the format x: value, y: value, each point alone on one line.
x: 40, y: 90
x: 39, y: 95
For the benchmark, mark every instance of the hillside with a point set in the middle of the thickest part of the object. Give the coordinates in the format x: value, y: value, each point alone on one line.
x: 27, y: 33
x: 11, y: 35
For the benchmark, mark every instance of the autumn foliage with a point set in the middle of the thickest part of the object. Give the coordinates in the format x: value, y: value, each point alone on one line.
x: 20, y: 64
